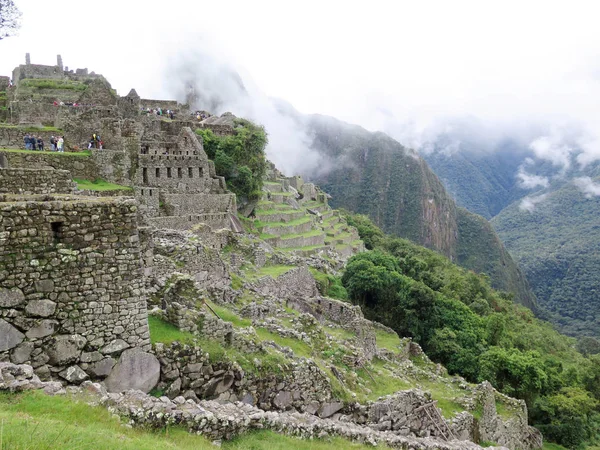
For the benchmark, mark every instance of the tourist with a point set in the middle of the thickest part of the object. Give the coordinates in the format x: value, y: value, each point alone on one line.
x: 26, y: 141
x: 171, y: 115
x: 52, y: 143
x: 40, y: 143
x: 61, y: 143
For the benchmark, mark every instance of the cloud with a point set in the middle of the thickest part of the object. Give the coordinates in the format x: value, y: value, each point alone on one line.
x: 529, y: 181
x: 529, y: 203
x: 587, y: 186
x: 218, y: 87
x: 551, y: 148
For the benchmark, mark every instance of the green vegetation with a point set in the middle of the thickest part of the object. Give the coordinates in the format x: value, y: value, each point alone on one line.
x: 31, y: 129
x: 239, y: 158
x: 401, y: 194
x: 479, y: 333
x: 391, y: 341
x: 100, y: 185
x: 557, y: 246
x: 59, y: 154
x: 329, y: 285
x: 164, y: 332
x: 33, y: 420
x: 40, y: 83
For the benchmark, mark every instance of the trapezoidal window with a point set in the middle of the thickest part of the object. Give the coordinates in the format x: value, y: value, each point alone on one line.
x: 168, y: 172
x: 57, y: 231
x: 179, y: 172
x: 157, y: 172
x: 200, y: 171
x: 145, y: 175
x: 190, y: 172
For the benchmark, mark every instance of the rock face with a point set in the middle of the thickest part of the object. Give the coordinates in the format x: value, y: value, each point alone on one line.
x: 136, y: 369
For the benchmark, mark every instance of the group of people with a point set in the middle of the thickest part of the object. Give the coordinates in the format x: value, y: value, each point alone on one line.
x: 201, y: 115
x: 33, y: 143
x: 159, y: 112
x: 95, y: 142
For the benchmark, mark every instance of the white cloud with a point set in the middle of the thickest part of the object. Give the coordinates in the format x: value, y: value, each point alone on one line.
x: 529, y: 181
x: 587, y: 186
x: 402, y: 67
x: 529, y: 203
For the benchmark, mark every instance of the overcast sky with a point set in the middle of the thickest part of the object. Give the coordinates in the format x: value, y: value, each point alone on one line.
x: 376, y: 63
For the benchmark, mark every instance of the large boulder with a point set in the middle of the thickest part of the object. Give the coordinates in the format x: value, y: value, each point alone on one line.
x: 10, y: 337
x: 66, y: 349
x: 136, y: 369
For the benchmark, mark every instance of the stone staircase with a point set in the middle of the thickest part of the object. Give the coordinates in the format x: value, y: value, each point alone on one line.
x: 298, y: 219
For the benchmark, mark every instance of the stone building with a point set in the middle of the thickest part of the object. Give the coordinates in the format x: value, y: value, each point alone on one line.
x: 70, y: 278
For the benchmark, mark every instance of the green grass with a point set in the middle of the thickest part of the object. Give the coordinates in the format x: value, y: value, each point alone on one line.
x: 445, y: 396
x: 267, y: 212
x: 46, y: 152
x: 300, y: 221
x: 551, y: 446
x: 272, y: 271
x: 296, y: 235
x: 29, y: 128
x: 390, y: 341
x: 161, y: 331
x: 229, y: 316
x: 304, y: 249
x: 33, y: 421
x: 53, y: 84
x: 340, y: 333
x: 298, y: 347
x: 100, y: 185
x: 385, y: 382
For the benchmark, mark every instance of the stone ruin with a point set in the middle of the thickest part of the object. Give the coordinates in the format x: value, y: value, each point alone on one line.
x: 74, y: 271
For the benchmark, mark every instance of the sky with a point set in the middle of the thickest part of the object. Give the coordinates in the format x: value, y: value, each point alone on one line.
x: 408, y: 68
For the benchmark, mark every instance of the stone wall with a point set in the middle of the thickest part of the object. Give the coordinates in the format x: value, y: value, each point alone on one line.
x: 79, y: 166
x: 113, y: 166
x: 296, y: 283
x: 35, y: 181
x: 70, y: 284
x: 12, y: 137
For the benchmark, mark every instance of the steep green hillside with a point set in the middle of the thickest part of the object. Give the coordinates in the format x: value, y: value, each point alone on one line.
x: 558, y: 246
x: 476, y: 332
x: 372, y: 174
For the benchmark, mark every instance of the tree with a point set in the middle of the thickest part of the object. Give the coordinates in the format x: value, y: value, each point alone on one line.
x: 10, y: 18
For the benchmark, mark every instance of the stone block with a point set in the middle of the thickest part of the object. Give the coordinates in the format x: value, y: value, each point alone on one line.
x: 40, y: 308
x: 21, y: 353
x: 9, y: 298
x: 115, y: 346
x: 44, y: 286
x: 74, y: 374
x: 101, y: 369
x: 329, y: 409
x: 43, y: 329
x: 136, y: 369
x: 10, y: 337
x: 283, y: 400
x: 66, y: 349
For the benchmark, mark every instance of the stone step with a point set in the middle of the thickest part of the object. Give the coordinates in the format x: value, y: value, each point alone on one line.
x: 331, y: 221
x: 308, y: 251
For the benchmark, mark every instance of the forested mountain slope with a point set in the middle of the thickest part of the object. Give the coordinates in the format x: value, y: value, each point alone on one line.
x: 372, y: 174
x: 557, y: 243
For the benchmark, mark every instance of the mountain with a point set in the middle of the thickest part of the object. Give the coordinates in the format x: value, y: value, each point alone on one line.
x: 557, y: 243
x: 372, y: 174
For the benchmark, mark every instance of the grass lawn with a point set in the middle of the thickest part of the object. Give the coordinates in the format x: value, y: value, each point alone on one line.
x: 161, y: 331
x: 390, y: 341
x: 33, y: 421
x: 100, y: 185
x: 84, y: 153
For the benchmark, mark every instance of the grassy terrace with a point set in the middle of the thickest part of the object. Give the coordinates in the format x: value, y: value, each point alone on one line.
x: 31, y: 129
x: 300, y: 221
x: 100, y: 185
x: 82, y: 154
x: 33, y: 420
